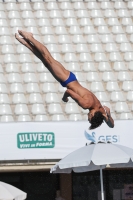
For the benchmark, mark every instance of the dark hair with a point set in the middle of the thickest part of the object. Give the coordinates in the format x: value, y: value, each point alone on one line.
x: 96, y: 120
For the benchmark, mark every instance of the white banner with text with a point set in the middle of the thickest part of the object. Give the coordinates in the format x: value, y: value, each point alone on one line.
x: 54, y: 140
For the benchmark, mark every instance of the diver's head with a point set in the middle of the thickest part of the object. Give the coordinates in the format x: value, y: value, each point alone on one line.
x: 95, y: 118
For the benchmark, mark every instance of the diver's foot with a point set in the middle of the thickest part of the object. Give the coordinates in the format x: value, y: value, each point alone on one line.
x: 26, y: 35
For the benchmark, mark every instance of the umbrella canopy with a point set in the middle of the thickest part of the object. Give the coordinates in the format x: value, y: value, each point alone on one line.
x: 95, y: 156
x: 9, y: 192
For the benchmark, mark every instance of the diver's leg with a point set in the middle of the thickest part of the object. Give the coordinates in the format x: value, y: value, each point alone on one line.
x: 56, y: 68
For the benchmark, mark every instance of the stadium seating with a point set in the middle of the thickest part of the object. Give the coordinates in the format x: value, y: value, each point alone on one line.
x: 94, y: 39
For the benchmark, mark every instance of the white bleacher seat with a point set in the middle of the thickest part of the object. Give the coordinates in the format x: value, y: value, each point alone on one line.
x: 74, y: 66
x: 13, y: 14
x: 3, y: 88
x: 92, y: 5
x: 128, y: 56
x: 115, y: 56
x: 82, y: 14
x: 19, y: 98
x: 123, y: 13
x: 2, y: 6
x: 14, y: 78
x: 66, y: 5
x: 70, y: 22
x: 15, y: 30
x: 100, y: 57
x: 49, y: 87
x: 92, y: 76
x: 130, y: 96
x: 103, y: 30
x: 91, y: 39
x: 22, y: 49
x: 29, y: 22
x: 38, y: 109
x: 5, y: 109
x: 36, y: 0
x: 75, y: 117
x: 25, y: 6
x: 71, y: 108
x: 27, y: 14
x: 80, y: 76
x: 5, y: 31
x: 108, y: 76
x: 24, y: 118
x: 78, y: 5
x: 102, y: 96
x: 130, y: 66
x: 7, y: 49
x: 53, y: 48
x: 87, y: 30
x: 111, y: 47
x: 124, y: 47
x: 16, y: 88
x: 119, y: 66
x: 121, y: 107
x: 10, y: 58
x: 58, y: 117
x: 52, y: 5
x: 126, y: 116
x: 2, y: 15
x: 35, y: 98
x: 10, y: 6
x: 24, y: 58
x: 85, y: 22
x: 117, y: 96
x: 106, y: 5
x: 69, y: 14
x: 12, y: 67
x: 2, y: 78
x: 107, y: 38
x: 96, y: 13
x: 57, y: 56
x: 88, y: 66
x: 99, y: 22
x: 66, y: 48
x: 85, y: 57
x: 5, y: 40
x: 4, y: 99
x: 119, y: 5
x: 130, y: 5
x: 58, y: 22
x: 27, y: 67
x: 30, y: 78
x: 47, y: 30
x: 97, y: 86
x: 127, y: 85
x: 124, y: 76
x: 52, y: 98
x: 126, y: 21
x: 41, y: 118
x: 40, y: 67
x: 32, y: 88
x: 61, y: 30
x: 46, y: 77
x: 3, y: 23
x: 41, y: 14
x: 49, y: 39
x: 78, y: 39
x: 81, y: 48
x: 54, y: 108
x: 121, y: 38
x: 70, y: 57
x: 21, y: 109
x: 113, y: 21
x: 131, y: 38
x: 112, y: 86
x: 64, y: 39
x: 7, y: 118
x: 129, y: 29
x: 55, y: 14
x: 96, y: 48
x: 75, y: 30
x: 117, y: 29
x: 108, y: 13
x: 39, y: 6
x: 104, y: 66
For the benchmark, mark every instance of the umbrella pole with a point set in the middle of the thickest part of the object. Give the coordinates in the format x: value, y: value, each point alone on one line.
x: 101, y: 179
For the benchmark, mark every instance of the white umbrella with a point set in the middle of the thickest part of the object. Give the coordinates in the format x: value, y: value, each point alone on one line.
x: 94, y: 157
x: 9, y: 192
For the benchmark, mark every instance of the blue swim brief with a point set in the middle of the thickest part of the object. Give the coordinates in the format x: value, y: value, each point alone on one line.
x: 70, y: 79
